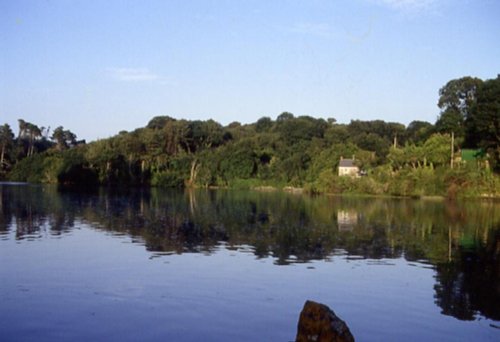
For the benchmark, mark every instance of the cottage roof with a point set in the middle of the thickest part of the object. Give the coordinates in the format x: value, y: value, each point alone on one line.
x: 347, y: 163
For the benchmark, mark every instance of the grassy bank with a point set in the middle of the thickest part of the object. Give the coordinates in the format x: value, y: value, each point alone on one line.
x: 460, y: 182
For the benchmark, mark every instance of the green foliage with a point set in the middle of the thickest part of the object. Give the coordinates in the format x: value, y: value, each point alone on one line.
x: 329, y: 182
x: 238, y: 162
x: 74, y: 169
x: 415, y: 182
x: 294, y: 130
x: 376, y: 136
x: 418, y: 132
x: 456, y: 99
x: 328, y: 159
x: 466, y: 181
x: 204, y: 134
x: 459, y: 93
x: 294, y: 151
x: 63, y: 138
x: 264, y: 124
x: 6, y: 149
x: 437, y: 149
x: 158, y: 122
x: 68, y: 167
x: 167, y: 179
x: 451, y: 120
x: 28, y: 170
x: 336, y: 134
x: 245, y: 184
x: 373, y: 142
x: 485, y: 120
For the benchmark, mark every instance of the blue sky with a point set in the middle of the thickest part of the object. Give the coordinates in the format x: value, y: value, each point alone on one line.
x: 99, y: 67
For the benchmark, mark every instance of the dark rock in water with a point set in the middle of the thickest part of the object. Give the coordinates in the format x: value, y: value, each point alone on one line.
x: 319, y: 323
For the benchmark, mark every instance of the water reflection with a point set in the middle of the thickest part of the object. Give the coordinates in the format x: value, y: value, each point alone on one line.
x: 347, y: 219
x: 461, y: 240
x: 465, y: 286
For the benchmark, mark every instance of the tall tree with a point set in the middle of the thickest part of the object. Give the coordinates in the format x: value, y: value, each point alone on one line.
x: 485, y: 119
x: 6, y: 141
x: 63, y: 138
x: 456, y: 99
x: 30, y: 132
x: 34, y: 133
x: 23, y: 125
x: 419, y: 131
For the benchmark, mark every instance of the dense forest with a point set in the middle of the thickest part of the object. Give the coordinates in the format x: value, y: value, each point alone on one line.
x: 297, y: 151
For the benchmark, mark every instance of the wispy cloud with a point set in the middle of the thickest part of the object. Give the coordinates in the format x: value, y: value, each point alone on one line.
x: 133, y: 74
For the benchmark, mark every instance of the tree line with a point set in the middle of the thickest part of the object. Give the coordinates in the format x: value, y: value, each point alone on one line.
x: 300, y: 151
x: 31, y: 139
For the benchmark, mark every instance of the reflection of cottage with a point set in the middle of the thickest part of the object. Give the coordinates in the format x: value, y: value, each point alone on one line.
x: 346, y: 220
x: 347, y: 168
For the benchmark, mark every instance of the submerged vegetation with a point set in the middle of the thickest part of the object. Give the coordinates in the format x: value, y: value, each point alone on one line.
x: 421, y: 159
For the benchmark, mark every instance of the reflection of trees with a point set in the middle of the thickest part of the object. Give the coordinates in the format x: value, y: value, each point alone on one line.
x: 470, y: 284
x: 461, y: 239
x: 5, y: 216
x: 34, y: 209
x: 274, y: 224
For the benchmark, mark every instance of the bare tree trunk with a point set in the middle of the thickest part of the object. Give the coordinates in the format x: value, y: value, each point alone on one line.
x: 31, y: 145
x: 194, y: 172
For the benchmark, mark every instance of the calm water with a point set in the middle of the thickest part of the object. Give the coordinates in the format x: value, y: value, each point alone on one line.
x: 238, y: 266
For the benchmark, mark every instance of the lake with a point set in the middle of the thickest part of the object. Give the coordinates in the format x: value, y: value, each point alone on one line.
x: 221, y: 265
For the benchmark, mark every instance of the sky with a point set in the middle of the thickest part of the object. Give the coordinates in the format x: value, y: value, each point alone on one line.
x: 101, y: 67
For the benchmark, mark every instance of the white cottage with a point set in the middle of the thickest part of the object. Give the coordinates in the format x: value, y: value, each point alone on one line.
x: 348, y: 168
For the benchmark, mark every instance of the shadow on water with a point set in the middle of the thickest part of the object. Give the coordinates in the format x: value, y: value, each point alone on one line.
x: 461, y: 240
